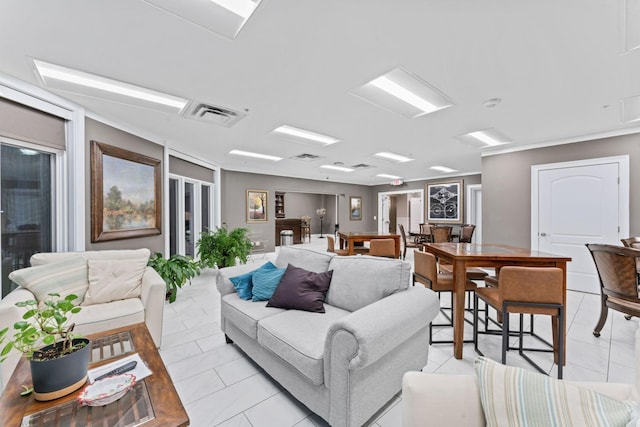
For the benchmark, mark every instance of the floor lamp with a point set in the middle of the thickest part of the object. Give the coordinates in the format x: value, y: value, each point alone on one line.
x: 321, y: 213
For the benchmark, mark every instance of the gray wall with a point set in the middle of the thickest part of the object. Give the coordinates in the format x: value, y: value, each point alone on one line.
x: 233, y: 209
x: 103, y: 133
x: 506, y: 185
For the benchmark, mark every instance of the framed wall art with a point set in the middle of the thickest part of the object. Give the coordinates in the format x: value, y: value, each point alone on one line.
x: 444, y: 201
x: 355, y: 208
x: 126, y: 192
x: 257, y: 206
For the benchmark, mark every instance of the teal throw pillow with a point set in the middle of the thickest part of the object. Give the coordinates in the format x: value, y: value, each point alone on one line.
x: 265, y: 283
x: 243, y: 284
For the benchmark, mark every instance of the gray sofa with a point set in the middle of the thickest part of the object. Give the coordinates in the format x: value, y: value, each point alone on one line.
x: 346, y: 363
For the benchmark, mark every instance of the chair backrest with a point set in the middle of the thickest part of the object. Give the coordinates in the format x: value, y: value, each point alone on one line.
x: 424, y: 264
x: 631, y: 242
x: 403, y: 234
x: 441, y: 233
x: 331, y: 244
x: 466, y: 233
x: 382, y: 247
x: 425, y: 229
x: 531, y: 284
x: 616, y: 267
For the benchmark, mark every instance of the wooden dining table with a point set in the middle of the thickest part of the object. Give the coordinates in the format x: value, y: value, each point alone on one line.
x: 465, y: 255
x: 349, y: 238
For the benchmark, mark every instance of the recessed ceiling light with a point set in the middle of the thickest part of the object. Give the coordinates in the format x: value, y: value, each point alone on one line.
x: 443, y: 169
x: 395, y: 157
x: 337, y: 168
x: 256, y: 155
x: 489, y: 137
x: 403, y: 93
x: 385, y: 175
x: 306, y: 134
x: 67, y: 79
x: 225, y: 17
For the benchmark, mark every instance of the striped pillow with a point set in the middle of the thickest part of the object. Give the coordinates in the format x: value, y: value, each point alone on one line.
x: 65, y: 277
x: 514, y: 397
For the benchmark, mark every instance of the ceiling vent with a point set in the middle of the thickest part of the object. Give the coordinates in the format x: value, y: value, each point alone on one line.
x: 361, y: 166
x: 213, y: 114
x: 306, y: 157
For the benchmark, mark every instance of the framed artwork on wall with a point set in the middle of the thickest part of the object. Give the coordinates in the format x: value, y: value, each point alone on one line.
x: 257, y: 206
x: 126, y: 192
x: 444, y: 201
x: 355, y: 208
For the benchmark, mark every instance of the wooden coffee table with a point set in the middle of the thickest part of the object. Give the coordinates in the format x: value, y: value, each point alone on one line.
x: 152, y: 402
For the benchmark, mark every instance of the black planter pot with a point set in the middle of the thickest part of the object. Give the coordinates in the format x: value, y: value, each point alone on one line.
x: 58, y: 377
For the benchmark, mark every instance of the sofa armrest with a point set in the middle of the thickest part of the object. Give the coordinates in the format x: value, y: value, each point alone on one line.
x: 152, y: 294
x: 441, y: 400
x: 10, y: 314
x: 378, y: 328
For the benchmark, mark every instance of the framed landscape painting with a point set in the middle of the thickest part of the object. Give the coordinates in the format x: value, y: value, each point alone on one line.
x: 355, y: 208
x: 444, y: 202
x: 257, y: 206
x: 125, y: 194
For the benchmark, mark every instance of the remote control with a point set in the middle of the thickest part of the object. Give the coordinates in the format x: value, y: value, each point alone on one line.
x: 119, y: 370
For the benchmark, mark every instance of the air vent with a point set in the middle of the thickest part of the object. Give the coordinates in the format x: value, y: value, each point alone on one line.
x: 306, y: 157
x: 361, y: 166
x: 213, y: 114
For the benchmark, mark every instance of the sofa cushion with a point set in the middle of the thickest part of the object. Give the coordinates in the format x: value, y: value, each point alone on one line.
x: 301, y: 289
x: 265, y: 283
x: 243, y: 284
x: 298, y: 338
x: 245, y: 314
x: 101, y: 317
x: 117, y: 254
x: 113, y: 280
x: 66, y: 277
x: 303, y: 258
x: 514, y: 397
x: 362, y: 280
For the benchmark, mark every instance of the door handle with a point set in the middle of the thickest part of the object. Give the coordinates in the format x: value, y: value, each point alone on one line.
x: 543, y: 234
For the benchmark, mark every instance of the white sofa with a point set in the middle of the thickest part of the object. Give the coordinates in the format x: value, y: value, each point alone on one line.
x: 346, y: 363
x: 147, y: 307
x: 454, y: 400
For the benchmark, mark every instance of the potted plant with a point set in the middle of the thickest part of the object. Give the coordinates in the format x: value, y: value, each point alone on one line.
x: 58, y: 358
x: 175, y: 271
x: 221, y: 248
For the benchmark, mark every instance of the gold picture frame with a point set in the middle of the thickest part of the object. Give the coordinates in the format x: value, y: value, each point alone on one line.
x: 444, y: 201
x: 257, y: 206
x: 355, y: 208
x: 126, y: 194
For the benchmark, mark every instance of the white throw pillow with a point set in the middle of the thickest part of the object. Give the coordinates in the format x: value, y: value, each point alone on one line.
x: 514, y: 397
x: 64, y: 277
x: 112, y: 280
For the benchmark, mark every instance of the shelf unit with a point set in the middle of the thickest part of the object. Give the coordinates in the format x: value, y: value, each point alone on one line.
x: 279, y: 205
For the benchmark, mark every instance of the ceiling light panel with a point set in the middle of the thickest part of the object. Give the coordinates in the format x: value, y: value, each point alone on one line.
x: 403, y: 93
x: 337, y: 168
x: 443, y: 169
x: 255, y: 155
x: 399, y: 158
x: 305, y: 135
x: 487, y: 137
x: 225, y: 17
x: 385, y: 175
x: 69, y: 80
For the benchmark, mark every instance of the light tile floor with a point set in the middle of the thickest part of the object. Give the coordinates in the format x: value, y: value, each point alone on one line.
x: 220, y: 386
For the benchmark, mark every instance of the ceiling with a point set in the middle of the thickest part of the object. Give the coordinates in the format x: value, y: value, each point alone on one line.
x: 560, y: 68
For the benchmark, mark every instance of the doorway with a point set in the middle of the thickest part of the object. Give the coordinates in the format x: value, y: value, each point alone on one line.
x: 575, y: 203
x: 400, y: 207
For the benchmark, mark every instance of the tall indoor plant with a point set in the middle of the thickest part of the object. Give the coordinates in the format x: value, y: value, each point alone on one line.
x: 221, y: 248
x: 175, y: 271
x: 58, y: 358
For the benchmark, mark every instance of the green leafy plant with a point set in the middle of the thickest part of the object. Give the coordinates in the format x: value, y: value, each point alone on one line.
x: 221, y: 248
x: 175, y: 271
x: 41, y: 326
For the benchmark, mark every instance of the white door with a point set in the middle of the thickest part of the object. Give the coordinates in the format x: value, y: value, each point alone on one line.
x: 578, y: 205
x: 383, y: 226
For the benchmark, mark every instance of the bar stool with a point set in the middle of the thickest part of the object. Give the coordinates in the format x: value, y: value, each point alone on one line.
x: 526, y: 290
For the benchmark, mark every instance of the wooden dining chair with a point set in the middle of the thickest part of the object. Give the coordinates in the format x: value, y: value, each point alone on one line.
x: 633, y: 242
x: 407, y: 243
x: 331, y: 247
x: 425, y: 233
x: 383, y: 248
x: 425, y: 271
x: 617, y: 271
x: 526, y: 290
x: 441, y: 233
x: 466, y: 233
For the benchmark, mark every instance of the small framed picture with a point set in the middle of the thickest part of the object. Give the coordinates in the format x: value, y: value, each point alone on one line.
x: 355, y: 208
x: 257, y: 206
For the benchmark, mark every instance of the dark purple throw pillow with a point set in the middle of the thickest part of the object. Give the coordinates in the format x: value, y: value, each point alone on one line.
x: 301, y: 290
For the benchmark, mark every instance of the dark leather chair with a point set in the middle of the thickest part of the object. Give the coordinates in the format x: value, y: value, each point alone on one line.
x: 407, y: 243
